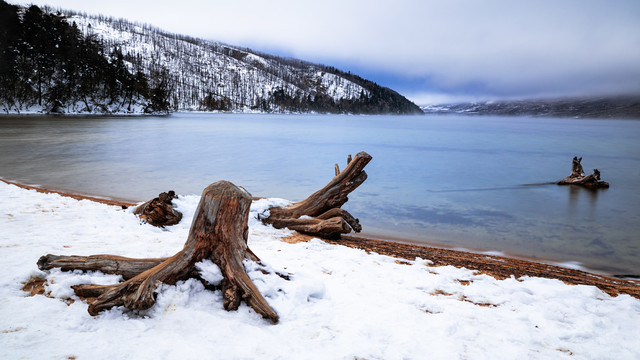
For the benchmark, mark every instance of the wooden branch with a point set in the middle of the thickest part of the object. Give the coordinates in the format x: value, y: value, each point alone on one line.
x: 108, y: 264
x: 333, y: 195
x: 344, y: 214
x: 323, y: 206
x: 328, y: 228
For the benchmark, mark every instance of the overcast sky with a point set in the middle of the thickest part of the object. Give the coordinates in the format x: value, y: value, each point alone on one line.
x: 430, y: 51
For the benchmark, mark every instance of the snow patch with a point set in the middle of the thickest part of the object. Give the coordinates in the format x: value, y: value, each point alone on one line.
x: 210, y: 272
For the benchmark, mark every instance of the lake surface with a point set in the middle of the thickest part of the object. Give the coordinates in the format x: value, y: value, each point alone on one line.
x: 478, y: 183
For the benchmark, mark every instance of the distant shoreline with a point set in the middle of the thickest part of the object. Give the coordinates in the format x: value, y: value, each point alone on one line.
x: 500, y: 267
x: 35, y: 114
x: 213, y: 112
x: 622, y: 107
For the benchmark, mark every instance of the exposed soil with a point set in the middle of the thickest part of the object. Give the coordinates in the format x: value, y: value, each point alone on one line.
x: 34, y: 286
x: 497, y: 266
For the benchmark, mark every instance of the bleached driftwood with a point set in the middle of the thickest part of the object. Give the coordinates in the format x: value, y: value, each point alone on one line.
x: 320, y: 214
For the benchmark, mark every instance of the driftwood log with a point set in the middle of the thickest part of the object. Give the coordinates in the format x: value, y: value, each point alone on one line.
x: 159, y: 211
x: 219, y: 232
x: 577, y: 177
x: 320, y: 214
x: 108, y: 264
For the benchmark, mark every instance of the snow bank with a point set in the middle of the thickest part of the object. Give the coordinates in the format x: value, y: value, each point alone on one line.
x: 340, y: 303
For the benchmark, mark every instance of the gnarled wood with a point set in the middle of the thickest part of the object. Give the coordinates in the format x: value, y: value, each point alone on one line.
x: 159, y: 211
x: 577, y: 177
x: 576, y: 168
x: 219, y: 232
x: 108, y: 264
x: 320, y: 214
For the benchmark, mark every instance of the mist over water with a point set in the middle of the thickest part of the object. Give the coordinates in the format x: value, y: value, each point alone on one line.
x: 481, y: 183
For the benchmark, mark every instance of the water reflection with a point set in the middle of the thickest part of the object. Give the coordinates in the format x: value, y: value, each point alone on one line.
x: 575, y: 207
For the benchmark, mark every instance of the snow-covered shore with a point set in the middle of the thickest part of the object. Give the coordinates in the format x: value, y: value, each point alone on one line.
x: 340, y: 303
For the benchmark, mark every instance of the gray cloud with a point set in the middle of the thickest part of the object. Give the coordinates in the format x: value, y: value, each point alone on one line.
x: 476, y: 48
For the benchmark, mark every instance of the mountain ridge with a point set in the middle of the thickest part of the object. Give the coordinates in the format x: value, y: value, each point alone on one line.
x: 622, y: 106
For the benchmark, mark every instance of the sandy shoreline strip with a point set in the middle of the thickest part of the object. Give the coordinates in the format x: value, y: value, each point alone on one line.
x: 71, y: 195
x: 497, y: 266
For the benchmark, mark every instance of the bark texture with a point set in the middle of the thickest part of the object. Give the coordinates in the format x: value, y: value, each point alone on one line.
x: 108, y: 264
x: 320, y: 214
x: 219, y: 232
x: 159, y: 211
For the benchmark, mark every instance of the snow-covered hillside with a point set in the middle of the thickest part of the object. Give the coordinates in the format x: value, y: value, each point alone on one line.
x: 207, y: 75
x: 57, y: 61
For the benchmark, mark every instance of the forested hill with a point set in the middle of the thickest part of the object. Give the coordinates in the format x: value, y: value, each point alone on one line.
x: 160, y: 70
x: 47, y: 65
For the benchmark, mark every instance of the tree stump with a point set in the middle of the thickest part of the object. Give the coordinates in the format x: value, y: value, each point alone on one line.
x: 320, y: 214
x: 219, y: 232
x: 159, y: 211
x: 577, y: 177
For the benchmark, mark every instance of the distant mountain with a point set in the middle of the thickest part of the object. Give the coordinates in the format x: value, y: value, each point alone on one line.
x: 622, y: 107
x: 202, y: 75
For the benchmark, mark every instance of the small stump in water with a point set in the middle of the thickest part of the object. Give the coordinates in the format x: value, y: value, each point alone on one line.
x: 577, y: 177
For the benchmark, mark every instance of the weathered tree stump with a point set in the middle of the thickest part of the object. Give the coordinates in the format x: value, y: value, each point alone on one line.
x: 577, y: 177
x: 159, y: 211
x: 320, y: 214
x: 219, y: 232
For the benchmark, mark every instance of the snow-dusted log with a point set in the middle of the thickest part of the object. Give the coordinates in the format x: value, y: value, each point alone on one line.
x: 577, y: 177
x: 159, y: 211
x: 219, y: 232
x: 320, y: 214
x: 108, y: 264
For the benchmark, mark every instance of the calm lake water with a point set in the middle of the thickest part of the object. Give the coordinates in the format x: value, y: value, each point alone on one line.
x: 478, y: 183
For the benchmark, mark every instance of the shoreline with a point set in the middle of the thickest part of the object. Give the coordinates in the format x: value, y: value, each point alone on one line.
x: 77, y: 196
x: 498, y: 266
x: 370, y: 236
